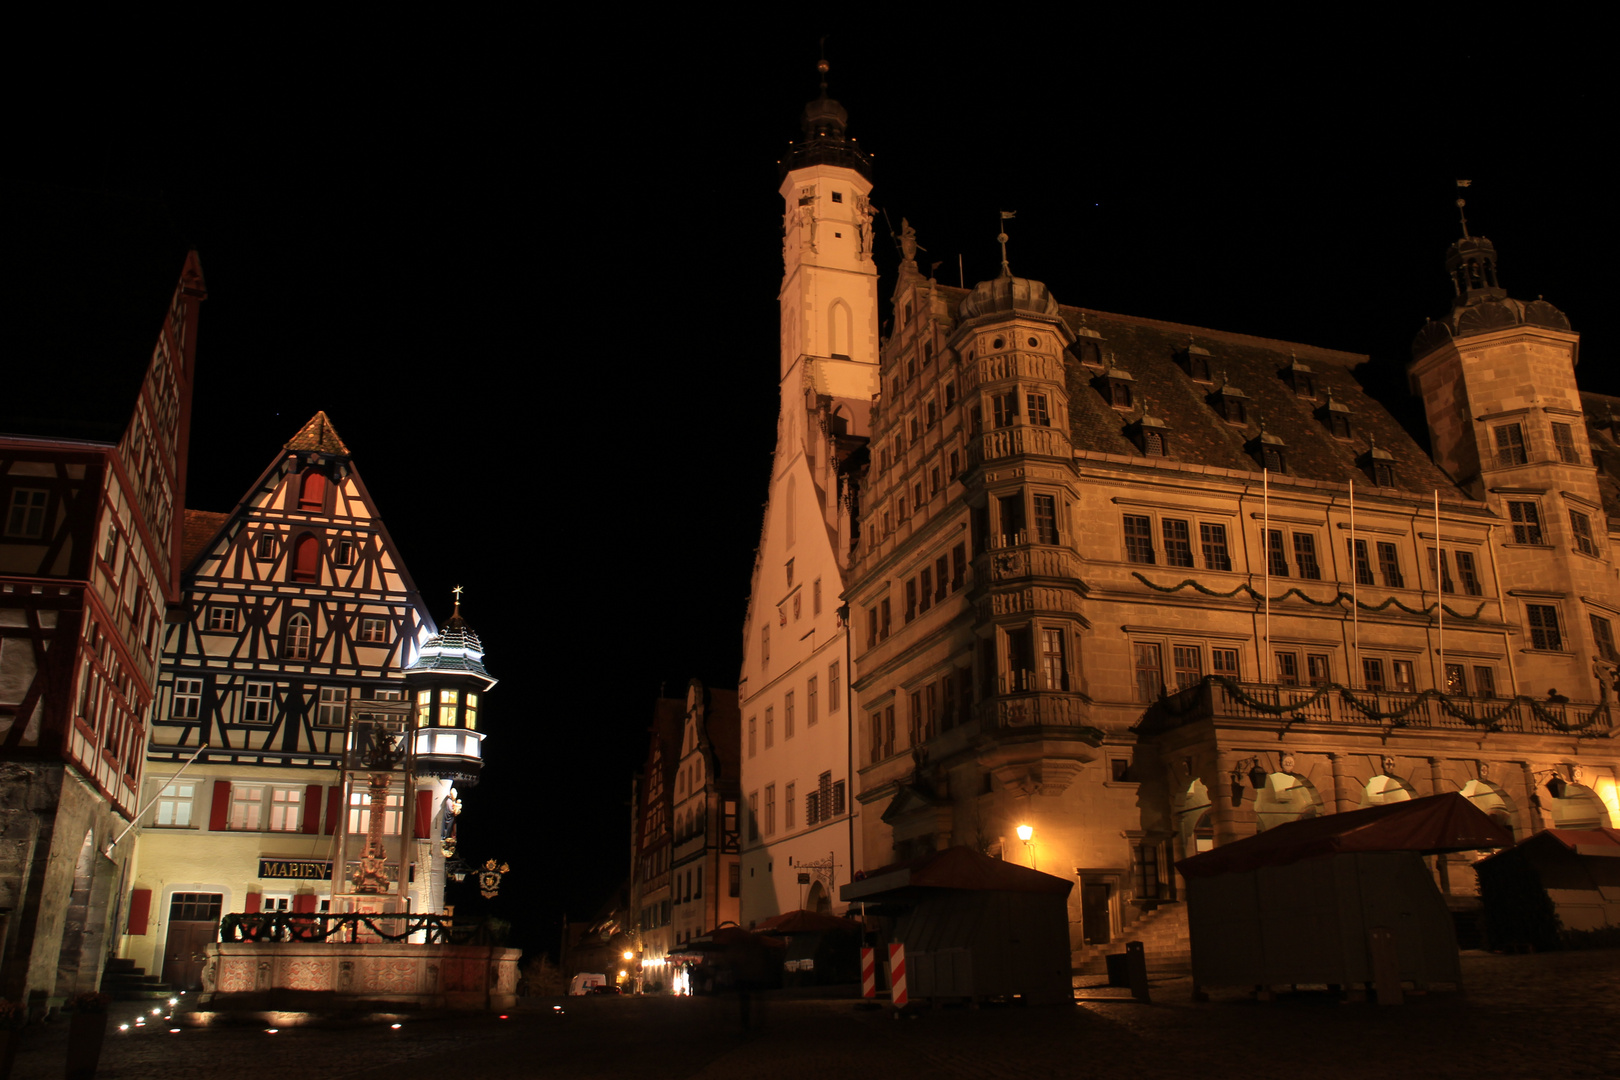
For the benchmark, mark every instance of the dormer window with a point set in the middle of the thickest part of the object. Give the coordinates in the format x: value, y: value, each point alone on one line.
x: 1087, y: 347
x: 1119, y: 388
x: 1335, y: 417
x: 1151, y: 436
x: 1301, y: 378
x: 1269, y: 452
x: 1231, y: 403
x: 1196, y: 362
x: 1378, y: 464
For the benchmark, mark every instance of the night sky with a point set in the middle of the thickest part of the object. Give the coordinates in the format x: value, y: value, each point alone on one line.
x: 534, y: 286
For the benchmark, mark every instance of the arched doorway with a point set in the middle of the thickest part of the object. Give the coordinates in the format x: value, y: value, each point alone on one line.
x: 1383, y: 789
x: 1285, y: 797
x: 1492, y: 800
x: 1578, y: 808
x: 1193, y: 823
x: 817, y: 899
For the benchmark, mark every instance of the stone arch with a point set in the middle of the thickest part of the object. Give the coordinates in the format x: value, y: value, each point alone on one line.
x: 1578, y: 808
x: 1493, y: 801
x: 1383, y: 788
x: 1283, y: 798
x: 838, y: 423
x: 817, y: 899
x: 840, y: 329
x: 1193, y: 822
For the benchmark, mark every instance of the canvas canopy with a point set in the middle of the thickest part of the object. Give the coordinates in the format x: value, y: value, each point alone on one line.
x: 955, y: 868
x: 1430, y: 825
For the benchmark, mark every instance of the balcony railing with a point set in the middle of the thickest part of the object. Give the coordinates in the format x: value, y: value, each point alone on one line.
x: 1331, y: 703
x: 1020, y: 709
x: 1019, y: 439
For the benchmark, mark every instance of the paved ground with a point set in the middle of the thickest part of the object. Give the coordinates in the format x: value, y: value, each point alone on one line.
x: 1554, y: 1016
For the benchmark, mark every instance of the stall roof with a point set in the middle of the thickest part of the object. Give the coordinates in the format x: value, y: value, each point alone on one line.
x: 1603, y: 843
x: 1448, y: 822
x: 806, y: 922
x: 954, y: 868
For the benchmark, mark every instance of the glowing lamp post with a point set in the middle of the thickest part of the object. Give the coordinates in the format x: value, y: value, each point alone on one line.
x: 1027, y: 834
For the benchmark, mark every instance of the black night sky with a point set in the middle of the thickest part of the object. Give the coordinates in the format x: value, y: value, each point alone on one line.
x: 531, y: 277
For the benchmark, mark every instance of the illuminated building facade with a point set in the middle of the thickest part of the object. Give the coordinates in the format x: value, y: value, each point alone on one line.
x: 706, y: 879
x: 296, y: 611
x: 91, y: 480
x: 1144, y: 588
x: 794, y: 689
x: 652, y: 896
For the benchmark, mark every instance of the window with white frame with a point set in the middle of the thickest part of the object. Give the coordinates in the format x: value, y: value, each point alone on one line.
x: 25, y: 516
x: 360, y: 813
x: 258, y: 703
x: 330, y: 711
x: 373, y: 631
x: 295, y: 638
x: 187, y: 702
x: 266, y: 808
x: 175, y: 805
x: 223, y: 619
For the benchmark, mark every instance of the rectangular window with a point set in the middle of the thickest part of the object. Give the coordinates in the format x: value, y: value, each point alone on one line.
x: 734, y: 879
x: 1564, y: 440
x: 1177, y: 542
x: 1484, y: 681
x: 815, y: 597
x: 810, y: 703
x: 787, y: 807
x: 914, y: 720
x: 1581, y: 527
x: 753, y: 815
x: 884, y: 619
x: 871, y: 627
x: 770, y: 809
x: 1402, y: 670
x: 222, y: 620
x: 1526, y: 522
x: 285, y: 806
x: 1037, y: 410
x: 1054, y: 672
x: 1287, y: 669
x: 1149, y: 672
x: 958, y: 567
x: 175, y: 804
x: 374, y: 631
x: 752, y: 721
x: 1509, y: 440
x: 1603, y: 637
x: 911, y: 599
x: 925, y: 589
x: 1046, y: 530
x: 942, y: 573
x: 1224, y: 662
x: 25, y: 517
x: 1543, y: 619
x: 1004, y: 407
x: 247, y: 806
x: 1389, y: 565
x: 765, y: 646
x: 1011, y: 509
x: 258, y: 703
x: 1443, y: 571
x: 770, y: 726
x: 1456, y: 680
x: 834, y: 698
x: 787, y: 715
x: 1362, y: 564
x: 1468, y: 573
x: 1216, y: 554
x: 1372, y: 673
x: 1147, y: 871
x: 187, y: 699
x: 1276, y: 554
x: 876, y: 740
x: 1317, y: 670
x: 345, y: 553
x: 265, y: 548
x: 1305, y: 556
x: 1139, y: 538
x: 1186, y: 662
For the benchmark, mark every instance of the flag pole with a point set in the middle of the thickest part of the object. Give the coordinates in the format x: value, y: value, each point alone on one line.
x: 1355, y: 595
x: 1440, y: 590
x: 1265, y: 555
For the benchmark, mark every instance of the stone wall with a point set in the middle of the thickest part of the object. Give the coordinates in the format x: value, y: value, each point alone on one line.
x: 249, y: 975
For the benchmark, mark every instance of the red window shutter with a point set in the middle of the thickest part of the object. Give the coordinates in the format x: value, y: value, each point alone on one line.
x: 312, y: 808
x: 219, y: 815
x: 304, y: 903
x: 334, y: 807
x: 140, y: 910
x: 312, y: 495
x: 251, y: 905
x: 306, y: 558
x: 424, y: 815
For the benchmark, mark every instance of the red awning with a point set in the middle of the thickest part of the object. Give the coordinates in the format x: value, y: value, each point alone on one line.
x: 1448, y: 822
x: 955, y: 868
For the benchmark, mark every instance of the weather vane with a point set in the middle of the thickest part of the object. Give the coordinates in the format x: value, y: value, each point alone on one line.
x: 1461, y: 202
x: 1006, y: 215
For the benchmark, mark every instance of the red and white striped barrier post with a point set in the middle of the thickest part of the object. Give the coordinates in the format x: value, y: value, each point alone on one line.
x: 868, y: 972
x: 897, y: 975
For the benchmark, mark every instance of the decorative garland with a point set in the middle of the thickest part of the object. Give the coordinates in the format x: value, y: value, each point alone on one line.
x: 1491, y: 720
x: 301, y: 926
x: 1295, y: 591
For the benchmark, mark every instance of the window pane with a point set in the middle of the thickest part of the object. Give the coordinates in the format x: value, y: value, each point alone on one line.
x: 1177, y: 543
x: 1139, y: 538
x: 1149, y: 672
x: 1216, y: 555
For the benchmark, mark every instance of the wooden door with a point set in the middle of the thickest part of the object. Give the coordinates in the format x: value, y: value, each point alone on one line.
x: 193, y: 925
x: 1094, y: 910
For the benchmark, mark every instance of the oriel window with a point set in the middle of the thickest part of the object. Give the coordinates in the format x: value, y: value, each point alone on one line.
x: 1509, y: 439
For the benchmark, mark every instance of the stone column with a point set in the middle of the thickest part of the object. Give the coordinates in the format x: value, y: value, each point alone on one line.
x: 1533, y: 821
x: 1442, y: 860
x: 1342, y: 799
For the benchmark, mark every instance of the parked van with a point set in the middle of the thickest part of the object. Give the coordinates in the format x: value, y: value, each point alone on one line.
x: 581, y: 984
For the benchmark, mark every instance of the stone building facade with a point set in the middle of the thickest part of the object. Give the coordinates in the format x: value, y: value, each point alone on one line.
x: 1142, y: 588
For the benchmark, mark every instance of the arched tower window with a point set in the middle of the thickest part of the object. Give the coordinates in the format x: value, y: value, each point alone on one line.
x: 312, y: 489
x: 295, y: 638
x: 306, y: 564
x: 840, y: 329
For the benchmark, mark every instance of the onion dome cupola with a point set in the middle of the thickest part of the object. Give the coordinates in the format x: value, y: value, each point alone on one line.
x: 1008, y: 295
x: 826, y: 140
x: 446, y: 684
x: 1479, y: 303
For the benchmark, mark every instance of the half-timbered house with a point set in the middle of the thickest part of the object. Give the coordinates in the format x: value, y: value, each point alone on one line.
x: 706, y: 884
x: 296, y: 607
x: 92, y: 471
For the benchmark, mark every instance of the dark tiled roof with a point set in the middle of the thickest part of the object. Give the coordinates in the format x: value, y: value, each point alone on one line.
x: 91, y: 277
x: 1604, y: 437
x: 201, y: 527
x: 1148, y: 349
x: 318, y: 435
x: 454, y: 648
x: 725, y: 732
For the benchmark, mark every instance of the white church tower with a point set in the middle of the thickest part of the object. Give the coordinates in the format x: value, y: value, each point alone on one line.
x: 798, y: 834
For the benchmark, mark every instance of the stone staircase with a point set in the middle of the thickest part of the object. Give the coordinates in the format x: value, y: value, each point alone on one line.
x: 1164, y: 937
x: 126, y: 982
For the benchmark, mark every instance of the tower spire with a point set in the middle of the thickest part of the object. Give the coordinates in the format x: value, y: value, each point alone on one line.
x: 1461, y: 202
x: 1006, y: 216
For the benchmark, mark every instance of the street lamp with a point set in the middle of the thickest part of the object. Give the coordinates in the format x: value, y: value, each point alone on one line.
x: 1025, y: 833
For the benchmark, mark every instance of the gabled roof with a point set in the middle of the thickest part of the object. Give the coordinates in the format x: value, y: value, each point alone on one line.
x: 1600, y: 843
x: 201, y: 526
x: 319, y: 436
x: 958, y: 867
x: 1435, y: 823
